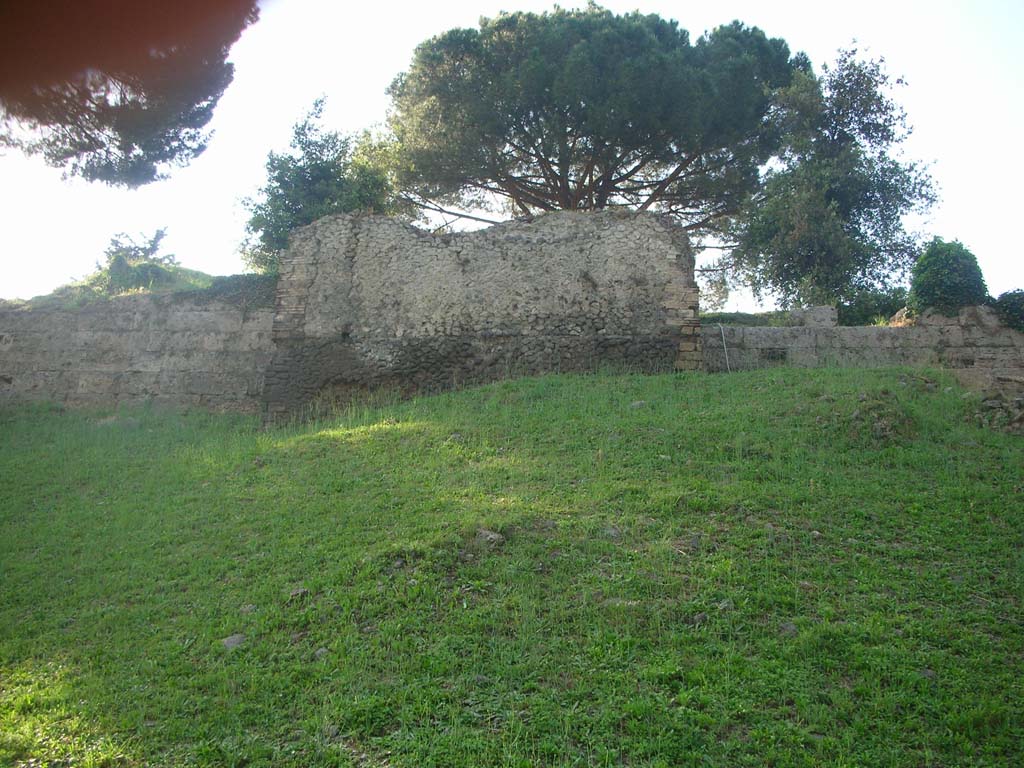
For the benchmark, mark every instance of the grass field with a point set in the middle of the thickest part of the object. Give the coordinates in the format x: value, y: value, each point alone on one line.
x: 773, y: 568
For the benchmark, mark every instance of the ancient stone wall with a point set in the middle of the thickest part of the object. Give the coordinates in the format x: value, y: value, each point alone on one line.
x: 132, y: 349
x: 974, y: 344
x: 365, y: 301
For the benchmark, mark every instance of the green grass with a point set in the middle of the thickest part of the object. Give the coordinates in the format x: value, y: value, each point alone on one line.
x: 771, y: 568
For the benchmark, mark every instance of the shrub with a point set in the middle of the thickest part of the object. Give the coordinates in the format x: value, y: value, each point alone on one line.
x: 1010, y: 308
x: 124, y: 276
x: 946, y: 277
x: 867, y: 306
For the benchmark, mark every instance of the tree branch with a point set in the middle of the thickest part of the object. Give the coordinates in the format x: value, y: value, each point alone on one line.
x: 429, y: 205
x: 666, y: 181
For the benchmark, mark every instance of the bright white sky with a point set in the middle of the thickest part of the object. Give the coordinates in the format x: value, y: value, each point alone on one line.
x: 960, y: 59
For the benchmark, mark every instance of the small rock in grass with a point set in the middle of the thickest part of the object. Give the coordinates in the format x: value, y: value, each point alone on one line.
x: 298, y: 594
x: 233, y: 641
x: 690, y: 546
x: 331, y: 731
x: 788, y: 629
x: 816, y: 534
x: 319, y: 653
x: 928, y: 674
x: 698, y: 618
x: 637, y: 404
x: 247, y: 608
x: 490, y: 538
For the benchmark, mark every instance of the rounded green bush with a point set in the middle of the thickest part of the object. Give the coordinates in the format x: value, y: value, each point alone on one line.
x: 946, y: 277
x: 1010, y: 308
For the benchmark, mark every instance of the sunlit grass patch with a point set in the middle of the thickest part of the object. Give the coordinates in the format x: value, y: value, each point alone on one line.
x: 568, y: 570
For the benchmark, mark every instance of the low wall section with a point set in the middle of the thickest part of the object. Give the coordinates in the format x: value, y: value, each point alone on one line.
x: 165, y: 349
x: 974, y: 344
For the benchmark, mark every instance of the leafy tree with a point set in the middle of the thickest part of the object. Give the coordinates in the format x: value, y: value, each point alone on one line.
x: 871, y: 306
x: 827, y: 225
x: 325, y: 173
x: 585, y: 109
x: 946, y: 278
x: 115, y: 90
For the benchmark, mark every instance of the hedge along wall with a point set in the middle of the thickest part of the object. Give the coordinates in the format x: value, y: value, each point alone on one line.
x: 980, y: 349
x: 178, y: 350
x: 365, y: 301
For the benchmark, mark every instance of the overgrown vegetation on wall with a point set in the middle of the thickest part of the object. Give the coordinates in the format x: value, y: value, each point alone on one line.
x: 1010, y: 308
x: 246, y: 291
x: 128, y: 265
x: 946, y: 277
